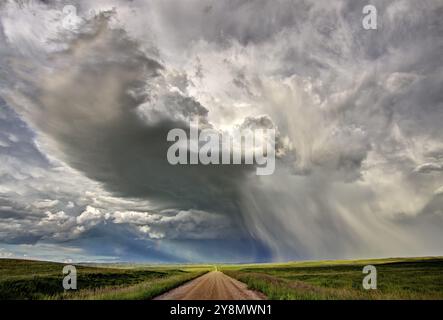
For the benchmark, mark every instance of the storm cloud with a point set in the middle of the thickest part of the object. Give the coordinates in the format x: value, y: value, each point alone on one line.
x: 86, y: 108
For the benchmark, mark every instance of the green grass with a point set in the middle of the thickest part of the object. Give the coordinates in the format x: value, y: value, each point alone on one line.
x: 23, y: 279
x: 398, y: 278
x: 140, y: 291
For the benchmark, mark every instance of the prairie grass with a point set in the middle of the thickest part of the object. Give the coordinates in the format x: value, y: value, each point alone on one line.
x: 24, y: 279
x: 141, y: 291
x: 399, y: 278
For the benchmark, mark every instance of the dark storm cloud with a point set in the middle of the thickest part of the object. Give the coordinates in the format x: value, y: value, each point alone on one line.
x: 101, y: 129
x: 113, y: 128
x: 358, y: 113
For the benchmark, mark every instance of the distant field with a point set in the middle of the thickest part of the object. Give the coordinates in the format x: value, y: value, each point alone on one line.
x: 402, y: 278
x: 23, y: 279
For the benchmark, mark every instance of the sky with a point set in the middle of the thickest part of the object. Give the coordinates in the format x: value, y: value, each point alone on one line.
x: 87, y: 100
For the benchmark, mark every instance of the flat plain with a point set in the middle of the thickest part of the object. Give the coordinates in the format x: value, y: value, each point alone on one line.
x: 397, y: 278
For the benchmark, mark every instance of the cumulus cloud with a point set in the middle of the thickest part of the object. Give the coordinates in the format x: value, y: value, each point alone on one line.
x: 5, y: 254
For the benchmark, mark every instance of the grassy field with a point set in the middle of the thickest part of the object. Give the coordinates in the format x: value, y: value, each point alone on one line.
x: 23, y: 279
x: 402, y: 278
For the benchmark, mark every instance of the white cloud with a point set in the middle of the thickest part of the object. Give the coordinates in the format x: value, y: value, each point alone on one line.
x: 44, y: 204
x: 5, y: 254
x: 429, y: 167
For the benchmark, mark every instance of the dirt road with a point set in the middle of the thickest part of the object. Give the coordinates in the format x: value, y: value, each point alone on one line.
x: 214, y: 285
